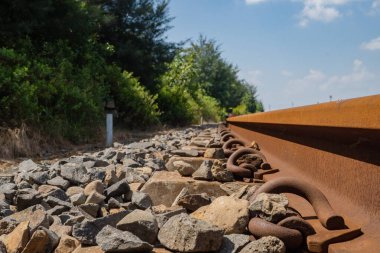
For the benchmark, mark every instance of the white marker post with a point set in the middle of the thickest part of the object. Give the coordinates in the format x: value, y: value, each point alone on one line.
x: 109, y: 124
x: 109, y: 108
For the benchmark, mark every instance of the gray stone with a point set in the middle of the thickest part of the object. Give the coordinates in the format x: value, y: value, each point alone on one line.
x: 78, y: 199
x: 95, y: 198
x: 53, y: 239
x: 113, y: 203
x: 117, y: 189
x: 267, y: 244
x: 26, y: 198
x: 162, y: 218
x: 57, y: 210
x: 184, y: 168
x: 9, y: 191
x: 35, y: 214
x: 75, y: 173
x: 216, y: 153
x: 111, y: 239
x: 187, y: 153
x: 27, y: 166
x: 204, y: 171
x: 52, y: 201
x: 59, y: 182
x: 74, y: 190
x: 185, y: 234
x: 39, y: 177
x: 271, y: 207
x: 86, y: 231
x: 141, y: 200
x: 220, y: 172
x: 140, y: 223
x: 140, y: 145
x: 233, y: 243
x: 6, y: 178
x: 128, y: 162
x: 53, y: 191
x: 90, y: 208
x: 194, y: 201
x: 96, y: 185
x: 23, y: 185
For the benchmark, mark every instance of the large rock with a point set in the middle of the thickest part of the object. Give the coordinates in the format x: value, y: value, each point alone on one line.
x: 35, y: 214
x: 16, y: 241
x: 141, y: 200
x: 220, y: 172
x: 111, y: 239
x: 86, y: 231
x: 38, y: 243
x: 54, y: 191
x: 117, y: 189
x: 75, y: 173
x: 267, y: 244
x: 59, y: 182
x: 140, y: 223
x: 186, y: 234
x: 271, y: 207
x: 204, y: 171
x: 194, y: 161
x: 187, y: 153
x: 226, y: 212
x: 26, y: 198
x: 67, y: 244
x: 96, y: 185
x: 194, y: 201
x: 216, y: 153
x: 233, y: 243
x: 27, y: 166
x: 184, y: 168
x: 164, y: 186
x: 39, y: 177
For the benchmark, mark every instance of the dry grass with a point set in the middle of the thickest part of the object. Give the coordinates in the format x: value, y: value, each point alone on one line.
x: 20, y: 142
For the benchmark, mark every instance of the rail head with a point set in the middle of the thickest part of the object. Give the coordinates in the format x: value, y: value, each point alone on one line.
x: 361, y: 113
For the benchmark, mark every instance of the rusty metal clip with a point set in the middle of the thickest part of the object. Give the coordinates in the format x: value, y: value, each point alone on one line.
x: 317, y: 199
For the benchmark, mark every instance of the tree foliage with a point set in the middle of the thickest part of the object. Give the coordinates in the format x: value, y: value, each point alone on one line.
x: 200, y: 82
x: 60, y: 60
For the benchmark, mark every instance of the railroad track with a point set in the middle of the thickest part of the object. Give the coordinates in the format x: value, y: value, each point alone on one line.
x: 331, y: 150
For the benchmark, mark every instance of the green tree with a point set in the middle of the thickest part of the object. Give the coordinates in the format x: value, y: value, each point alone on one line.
x: 136, y: 28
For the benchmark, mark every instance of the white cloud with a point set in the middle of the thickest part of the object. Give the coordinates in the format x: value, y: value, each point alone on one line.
x: 320, y: 10
x: 254, y: 1
x: 376, y: 4
x: 317, y: 86
x: 371, y: 45
x: 286, y: 73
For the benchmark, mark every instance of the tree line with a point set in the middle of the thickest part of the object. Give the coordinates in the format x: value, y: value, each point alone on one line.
x: 61, y: 60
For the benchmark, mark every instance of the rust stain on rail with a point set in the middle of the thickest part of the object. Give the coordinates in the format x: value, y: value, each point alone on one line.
x: 334, y: 146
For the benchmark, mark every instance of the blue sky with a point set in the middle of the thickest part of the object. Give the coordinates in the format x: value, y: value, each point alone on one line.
x: 296, y: 52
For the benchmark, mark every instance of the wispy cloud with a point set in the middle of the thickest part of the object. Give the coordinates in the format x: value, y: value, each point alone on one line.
x: 250, y: 2
x: 320, y: 10
x: 376, y: 4
x: 318, y: 85
x: 371, y: 45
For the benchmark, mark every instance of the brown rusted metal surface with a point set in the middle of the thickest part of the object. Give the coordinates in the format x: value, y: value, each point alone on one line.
x: 291, y: 237
x: 232, y: 145
x: 333, y: 146
x: 295, y: 222
x: 317, y: 199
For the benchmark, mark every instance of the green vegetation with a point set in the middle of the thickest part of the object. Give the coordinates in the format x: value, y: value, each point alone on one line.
x: 60, y: 61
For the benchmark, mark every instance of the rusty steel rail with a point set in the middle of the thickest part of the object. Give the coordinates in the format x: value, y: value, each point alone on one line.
x: 334, y: 146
